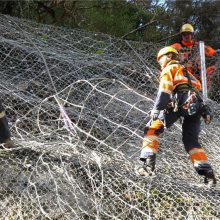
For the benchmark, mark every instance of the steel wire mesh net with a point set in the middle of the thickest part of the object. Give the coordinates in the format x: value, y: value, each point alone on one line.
x: 77, y: 105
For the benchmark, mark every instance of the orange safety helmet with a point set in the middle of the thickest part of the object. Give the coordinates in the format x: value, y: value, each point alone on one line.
x: 165, y: 51
x: 187, y: 28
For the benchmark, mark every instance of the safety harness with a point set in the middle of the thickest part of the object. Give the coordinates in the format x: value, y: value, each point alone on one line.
x: 191, y: 53
x: 193, y: 94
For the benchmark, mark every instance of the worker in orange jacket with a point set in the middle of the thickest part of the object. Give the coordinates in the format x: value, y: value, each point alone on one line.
x: 188, y: 53
x: 177, y: 82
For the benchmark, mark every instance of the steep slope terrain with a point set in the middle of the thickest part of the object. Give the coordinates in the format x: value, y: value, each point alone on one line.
x: 77, y: 104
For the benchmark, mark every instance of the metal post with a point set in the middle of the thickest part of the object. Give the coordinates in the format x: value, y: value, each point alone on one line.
x: 203, y: 70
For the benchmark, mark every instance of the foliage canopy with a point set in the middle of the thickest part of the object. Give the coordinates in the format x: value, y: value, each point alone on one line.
x: 151, y: 20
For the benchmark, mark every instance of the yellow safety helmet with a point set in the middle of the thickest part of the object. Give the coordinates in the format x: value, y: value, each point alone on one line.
x: 166, y: 50
x: 187, y: 28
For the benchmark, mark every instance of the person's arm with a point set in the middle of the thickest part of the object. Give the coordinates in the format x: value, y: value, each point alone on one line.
x: 177, y: 46
x: 209, y: 51
x: 165, y: 90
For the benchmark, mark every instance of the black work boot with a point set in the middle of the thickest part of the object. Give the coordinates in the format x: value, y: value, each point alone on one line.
x: 149, y: 165
x: 208, y: 173
x: 210, y: 176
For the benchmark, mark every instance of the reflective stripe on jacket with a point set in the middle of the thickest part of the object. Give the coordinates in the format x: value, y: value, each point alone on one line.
x: 171, y: 77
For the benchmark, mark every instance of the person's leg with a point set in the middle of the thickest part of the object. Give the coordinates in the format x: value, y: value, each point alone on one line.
x: 4, y: 129
x: 150, y: 141
x: 5, y: 135
x: 191, y: 129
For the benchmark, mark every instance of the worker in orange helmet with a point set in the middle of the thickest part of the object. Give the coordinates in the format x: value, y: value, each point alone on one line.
x: 187, y: 49
x: 178, y: 96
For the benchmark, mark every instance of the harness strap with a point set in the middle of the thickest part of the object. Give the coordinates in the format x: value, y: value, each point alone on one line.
x: 190, y: 51
x: 186, y: 74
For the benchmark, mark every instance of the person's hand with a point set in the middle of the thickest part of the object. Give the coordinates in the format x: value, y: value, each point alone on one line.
x: 207, y: 114
x: 154, y: 114
x: 218, y: 52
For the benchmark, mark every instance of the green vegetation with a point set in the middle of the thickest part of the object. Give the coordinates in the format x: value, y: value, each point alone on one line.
x: 134, y: 20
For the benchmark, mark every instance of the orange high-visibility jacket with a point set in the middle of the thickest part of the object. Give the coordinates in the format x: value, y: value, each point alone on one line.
x: 209, y: 51
x: 172, y: 76
x: 185, y: 50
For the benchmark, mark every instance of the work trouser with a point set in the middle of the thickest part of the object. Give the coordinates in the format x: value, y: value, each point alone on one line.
x: 4, y: 128
x: 190, y: 132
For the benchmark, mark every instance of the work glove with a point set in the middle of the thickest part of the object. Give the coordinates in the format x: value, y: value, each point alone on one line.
x: 154, y: 114
x: 207, y: 114
x: 218, y: 52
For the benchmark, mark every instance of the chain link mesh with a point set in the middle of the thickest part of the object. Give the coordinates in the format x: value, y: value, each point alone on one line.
x: 77, y: 104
